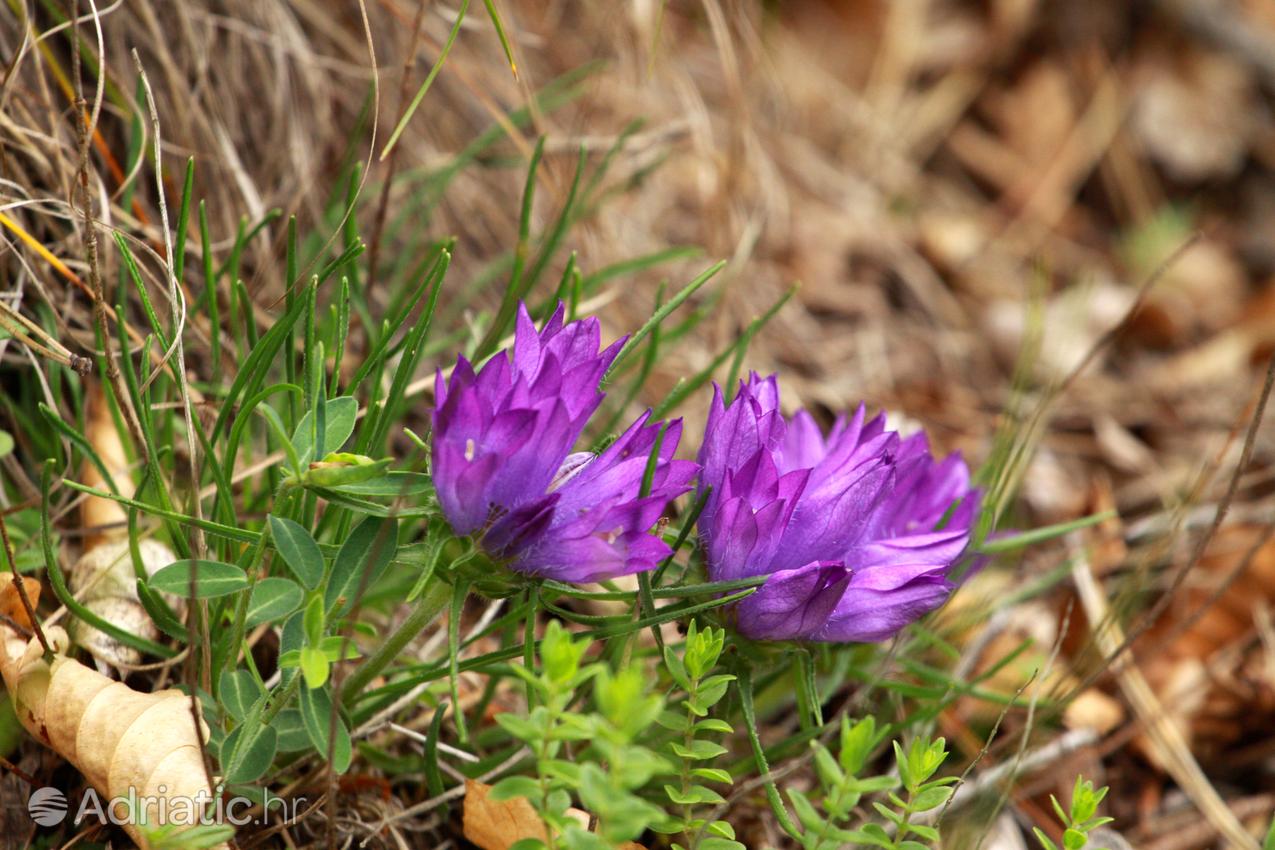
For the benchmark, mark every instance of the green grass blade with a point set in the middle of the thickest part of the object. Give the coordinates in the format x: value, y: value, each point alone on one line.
x: 429, y: 80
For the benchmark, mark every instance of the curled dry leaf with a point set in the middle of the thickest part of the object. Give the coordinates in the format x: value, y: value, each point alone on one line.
x: 122, y: 740
x: 103, y: 579
x: 498, y: 825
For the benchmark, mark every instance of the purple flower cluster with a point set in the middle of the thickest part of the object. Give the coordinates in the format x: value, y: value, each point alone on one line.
x: 503, y: 467
x: 858, y: 531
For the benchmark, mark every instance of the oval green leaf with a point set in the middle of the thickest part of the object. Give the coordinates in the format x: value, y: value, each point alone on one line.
x: 339, y: 416
x: 272, y: 598
x: 292, y: 734
x: 314, y: 666
x: 299, y: 551
x: 367, y: 551
x: 316, y: 713
x: 212, y: 579
x: 249, y: 751
x: 391, y: 485
x: 237, y: 690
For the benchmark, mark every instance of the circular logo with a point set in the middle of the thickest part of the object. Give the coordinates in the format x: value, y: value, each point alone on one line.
x: 47, y: 806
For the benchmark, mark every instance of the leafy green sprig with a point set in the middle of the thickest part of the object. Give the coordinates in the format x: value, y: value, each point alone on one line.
x: 843, y: 790
x: 692, y: 673
x: 612, y: 767
x: 1079, y: 820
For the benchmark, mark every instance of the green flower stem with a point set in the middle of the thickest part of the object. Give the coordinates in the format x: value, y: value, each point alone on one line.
x: 430, y: 604
x: 688, y: 741
x: 809, y: 704
x: 745, y: 685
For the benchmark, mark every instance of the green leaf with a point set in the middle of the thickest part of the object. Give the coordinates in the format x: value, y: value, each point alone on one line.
x: 339, y: 416
x: 1074, y: 839
x: 1043, y: 839
x: 1084, y: 801
x: 805, y: 810
x: 723, y: 829
x: 693, y: 795
x: 291, y: 731
x: 676, y: 669
x: 659, y: 316
x: 338, y: 469
x: 875, y: 834
x: 874, y: 784
x: 299, y: 551
x: 500, y: 34
x: 429, y: 79
x: 857, y: 742
x: 272, y: 599
x: 931, y: 798
x: 391, y: 485
x: 314, y: 666
x: 520, y: 727
x: 887, y: 813
x: 929, y: 833
x: 250, y: 750
x: 514, y: 786
x: 160, y: 612
x: 713, y: 724
x: 699, y: 750
x: 316, y: 713
x: 212, y: 579
x: 575, y: 838
x: 6, y: 443
x: 237, y: 690
x: 1059, y: 810
x: 711, y: 690
x: 674, y: 721
x: 366, y: 552
x: 830, y: 773
x: 713, y: 774
x: 904, y: 765
x: 334, y: 647
x: 1023, y: 539
x: 313, y: 621
x: 559, y: 654
x: 715, y: 843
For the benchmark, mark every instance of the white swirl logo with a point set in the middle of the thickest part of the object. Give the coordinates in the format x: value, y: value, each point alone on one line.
x: 47, y: 806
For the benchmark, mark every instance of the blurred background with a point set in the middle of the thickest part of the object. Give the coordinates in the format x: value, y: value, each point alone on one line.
x: 973, y: 199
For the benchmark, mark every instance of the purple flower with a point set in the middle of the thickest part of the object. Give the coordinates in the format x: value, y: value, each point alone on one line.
x: 503, y: 468
x: 857, y: 531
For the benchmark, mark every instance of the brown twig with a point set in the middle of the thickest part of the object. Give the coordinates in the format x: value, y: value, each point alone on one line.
x: 383, y: 203
x: 21, y: 587
x: 1267, y: 532
x: 19, y: 772
x: 83, y: 131
x: 1219, y: 517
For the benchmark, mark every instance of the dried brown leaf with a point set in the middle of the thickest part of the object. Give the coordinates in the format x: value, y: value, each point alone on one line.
x: 11, y: 602
x: 494, y: 825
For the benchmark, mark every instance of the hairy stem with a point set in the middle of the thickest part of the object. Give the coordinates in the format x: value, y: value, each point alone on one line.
x: 431, y: 603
